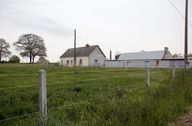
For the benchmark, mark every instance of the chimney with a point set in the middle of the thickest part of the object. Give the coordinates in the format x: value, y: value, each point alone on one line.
x: 166, y: 50
x: 87, y: 45
x: 110, y: 57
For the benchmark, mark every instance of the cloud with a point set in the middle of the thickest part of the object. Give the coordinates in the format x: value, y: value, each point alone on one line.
x: 25, y: 19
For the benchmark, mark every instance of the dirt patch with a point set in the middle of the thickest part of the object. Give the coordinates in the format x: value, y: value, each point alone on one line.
x: 185, y: 120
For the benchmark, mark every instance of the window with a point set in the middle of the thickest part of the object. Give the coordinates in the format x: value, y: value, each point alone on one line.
x: 157, y: 63
x: 71, y: 62
x: 80, y: 61
x: 96, y: 61
x: 128, y: 63
x: 147, y: 63
x: 67, y: 62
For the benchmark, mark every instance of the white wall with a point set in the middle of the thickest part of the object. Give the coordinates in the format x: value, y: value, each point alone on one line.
x: 96, y: 55
x: 85, y: 61
x: 168, y: 56
x: 190, y: 63
x: 142, y: 63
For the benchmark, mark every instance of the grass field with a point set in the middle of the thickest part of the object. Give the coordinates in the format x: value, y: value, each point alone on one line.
x: 93, y: 96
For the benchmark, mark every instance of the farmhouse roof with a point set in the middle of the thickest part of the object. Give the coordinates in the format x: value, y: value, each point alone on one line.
x: 143, y: 55
x: 81, y: 51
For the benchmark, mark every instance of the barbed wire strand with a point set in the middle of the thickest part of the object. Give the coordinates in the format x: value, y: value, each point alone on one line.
x: 68, y: 105
x: 119, y: 69
x: 17, y: 117
x: 58, y: 83
x: 84, y: 101
x: 16, y: 75
x: 49, y: 84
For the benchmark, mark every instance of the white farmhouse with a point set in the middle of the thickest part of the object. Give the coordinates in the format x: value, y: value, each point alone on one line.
x: 85, y: 56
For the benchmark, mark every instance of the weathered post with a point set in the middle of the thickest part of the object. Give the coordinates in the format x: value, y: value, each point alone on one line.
x: 42, y: 97
x: 147, y: 73
x: 173, y: 71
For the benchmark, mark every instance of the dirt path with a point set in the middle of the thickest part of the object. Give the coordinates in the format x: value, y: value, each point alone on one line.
x: 185, y: 120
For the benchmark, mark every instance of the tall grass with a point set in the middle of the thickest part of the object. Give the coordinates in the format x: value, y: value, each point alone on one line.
x: 123, y: 101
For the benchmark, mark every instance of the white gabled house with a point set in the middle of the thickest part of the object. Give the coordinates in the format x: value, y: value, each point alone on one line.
x: 85, y: 56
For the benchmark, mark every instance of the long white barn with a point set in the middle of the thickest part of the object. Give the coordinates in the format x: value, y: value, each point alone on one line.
x: 161, y: 59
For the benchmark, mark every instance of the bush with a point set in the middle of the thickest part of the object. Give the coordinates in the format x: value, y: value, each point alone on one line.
x: 14, y: 59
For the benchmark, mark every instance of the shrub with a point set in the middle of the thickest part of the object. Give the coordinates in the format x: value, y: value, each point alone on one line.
x: 14, y: 59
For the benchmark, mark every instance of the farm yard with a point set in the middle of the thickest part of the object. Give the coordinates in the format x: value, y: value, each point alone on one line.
x: 93, y: 96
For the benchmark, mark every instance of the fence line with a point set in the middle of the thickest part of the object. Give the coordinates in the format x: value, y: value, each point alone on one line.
x: 16, y: 75
x: 119, y: 69
x: 49, y: 84
x: 16, y: 117
x: 72, y: 104
x: 68, y: 105
x: 129, y: 88
x: 58, y: 83
x: 27, y: 86
x: 84, y: 101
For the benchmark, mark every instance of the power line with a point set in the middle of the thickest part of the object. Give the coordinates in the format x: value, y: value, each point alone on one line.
x: 178, y: 11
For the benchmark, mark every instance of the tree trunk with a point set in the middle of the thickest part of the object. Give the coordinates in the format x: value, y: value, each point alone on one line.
x: 33, y: 58
x: 30, y: 56
x: 0, y: 56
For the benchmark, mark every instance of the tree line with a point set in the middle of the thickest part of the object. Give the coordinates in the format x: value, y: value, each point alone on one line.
x: 29, y: 45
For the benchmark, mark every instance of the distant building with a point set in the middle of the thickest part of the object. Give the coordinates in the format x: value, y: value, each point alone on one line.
x: 162, y: 59
x: 147, y: 55
x: 85, y: 56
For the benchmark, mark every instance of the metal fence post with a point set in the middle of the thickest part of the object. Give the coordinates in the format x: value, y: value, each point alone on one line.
x: 147, y: 74
x: 42, y: 97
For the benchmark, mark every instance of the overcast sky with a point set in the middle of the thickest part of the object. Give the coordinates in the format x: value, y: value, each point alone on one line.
x: 117, y: 25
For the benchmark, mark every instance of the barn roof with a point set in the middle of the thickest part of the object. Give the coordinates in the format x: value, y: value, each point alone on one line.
x: 81, y: 51
x: 143, y: 55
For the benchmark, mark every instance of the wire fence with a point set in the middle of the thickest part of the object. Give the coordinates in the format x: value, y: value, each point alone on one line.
x: 67, y: 82
x: 68, y: 105
x: 56, y: 73
x: 63, y: 82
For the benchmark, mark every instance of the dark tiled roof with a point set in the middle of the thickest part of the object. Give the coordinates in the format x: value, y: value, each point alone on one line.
x: 80, y: 52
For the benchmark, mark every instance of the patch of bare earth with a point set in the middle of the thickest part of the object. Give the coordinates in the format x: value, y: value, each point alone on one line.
x: 185, y: 120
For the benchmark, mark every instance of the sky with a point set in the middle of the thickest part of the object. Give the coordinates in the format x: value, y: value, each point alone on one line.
x: 118, y: 25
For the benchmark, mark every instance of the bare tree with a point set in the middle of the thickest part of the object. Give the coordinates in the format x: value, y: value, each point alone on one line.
x: 4, y: 49
x: 31, y: 46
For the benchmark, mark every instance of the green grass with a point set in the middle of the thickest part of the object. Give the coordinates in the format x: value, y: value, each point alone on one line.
x: 93, y: 96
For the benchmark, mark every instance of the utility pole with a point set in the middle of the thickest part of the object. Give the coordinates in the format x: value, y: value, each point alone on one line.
x: 74, y: 47
x: 186, y: 35
x: 110, y: 55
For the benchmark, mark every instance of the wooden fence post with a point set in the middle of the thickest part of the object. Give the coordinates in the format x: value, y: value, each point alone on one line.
x: 147, y: 74
x: 42, y: 97
x: 173, y: 71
